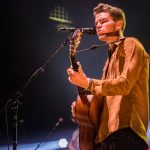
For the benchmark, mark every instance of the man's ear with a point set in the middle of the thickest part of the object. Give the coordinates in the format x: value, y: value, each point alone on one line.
x: 118, y: 25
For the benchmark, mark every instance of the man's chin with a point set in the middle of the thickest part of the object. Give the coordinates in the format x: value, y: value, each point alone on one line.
x: 102, y: 37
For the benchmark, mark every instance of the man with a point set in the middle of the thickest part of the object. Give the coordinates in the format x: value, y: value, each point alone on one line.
x: 123, y: 120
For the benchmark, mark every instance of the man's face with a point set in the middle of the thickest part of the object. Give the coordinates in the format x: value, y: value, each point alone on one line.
x: 104, y: 24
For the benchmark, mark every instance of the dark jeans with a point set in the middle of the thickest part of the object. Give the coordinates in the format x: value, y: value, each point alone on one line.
x: 123, y: 139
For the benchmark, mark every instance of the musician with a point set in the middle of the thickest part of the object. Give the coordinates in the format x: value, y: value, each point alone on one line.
x: 123, y: 120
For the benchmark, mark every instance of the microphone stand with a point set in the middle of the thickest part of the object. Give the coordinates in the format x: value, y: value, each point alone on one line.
x: 93, y: 47
x: 15, y: 101
x: 60, y: 120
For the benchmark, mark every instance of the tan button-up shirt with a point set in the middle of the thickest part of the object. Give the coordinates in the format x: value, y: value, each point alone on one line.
x: 125, y: 90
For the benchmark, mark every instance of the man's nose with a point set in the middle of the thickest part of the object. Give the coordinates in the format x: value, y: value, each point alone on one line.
x: 99, y: 25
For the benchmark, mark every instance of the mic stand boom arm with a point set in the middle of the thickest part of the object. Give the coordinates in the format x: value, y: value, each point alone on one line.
x: 15, y: 101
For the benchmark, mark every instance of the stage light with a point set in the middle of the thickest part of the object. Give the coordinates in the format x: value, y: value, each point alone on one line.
x: 60, y: 14
x: 63, y: 143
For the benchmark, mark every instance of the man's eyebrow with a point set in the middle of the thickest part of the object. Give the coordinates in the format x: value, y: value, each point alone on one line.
x: 102, y: 19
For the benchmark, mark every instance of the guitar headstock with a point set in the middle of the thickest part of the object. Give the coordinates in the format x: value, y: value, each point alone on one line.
x: 74, y: 43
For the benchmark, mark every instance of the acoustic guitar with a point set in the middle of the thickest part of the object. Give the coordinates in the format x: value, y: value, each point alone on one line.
x: 87, y: 110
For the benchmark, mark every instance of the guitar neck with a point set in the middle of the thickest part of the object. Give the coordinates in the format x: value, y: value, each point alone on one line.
x: 83, y: 91
x: 75, y: 68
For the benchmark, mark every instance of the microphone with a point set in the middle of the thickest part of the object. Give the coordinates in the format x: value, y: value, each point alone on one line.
x: 60, y: 120
x: 57, y: 124
x: 90, y: 31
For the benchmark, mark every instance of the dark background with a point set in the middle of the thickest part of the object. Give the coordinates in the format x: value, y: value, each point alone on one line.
x: 29, y: 37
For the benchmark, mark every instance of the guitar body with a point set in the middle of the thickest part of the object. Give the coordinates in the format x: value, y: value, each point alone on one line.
x: 87, y: 111
x: 95, y: 110
x: 88, y: 115
x: 82, y: 110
